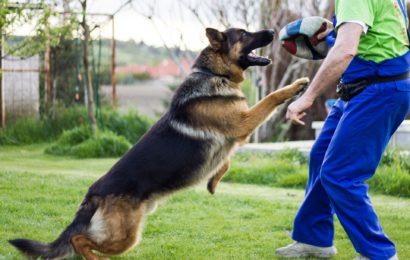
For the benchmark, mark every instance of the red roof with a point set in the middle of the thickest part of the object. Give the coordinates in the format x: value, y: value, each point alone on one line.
x: 165, y: 68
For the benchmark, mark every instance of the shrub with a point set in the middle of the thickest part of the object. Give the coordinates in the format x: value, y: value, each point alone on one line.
x: 292, y: 155
x: 24, y: 131
x: 391, y: 180
x: 289, y: 169
x: 131, y: 125
x: 79, y: 142
x: 294, y: 180
x: 104, y: 144
x: 396, y: 157
x: 68, y: 139
x: 271, y: 169
x: 29, y: 130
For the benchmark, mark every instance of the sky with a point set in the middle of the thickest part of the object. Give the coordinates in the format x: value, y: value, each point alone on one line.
x: 170, y: 23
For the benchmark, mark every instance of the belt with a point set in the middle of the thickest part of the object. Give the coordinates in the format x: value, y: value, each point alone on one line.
x: 374, y: 80
x: 347, y: 91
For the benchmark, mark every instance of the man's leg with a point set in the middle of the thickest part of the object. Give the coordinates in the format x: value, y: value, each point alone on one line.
x: 356, y: 148
x: 313, y: 223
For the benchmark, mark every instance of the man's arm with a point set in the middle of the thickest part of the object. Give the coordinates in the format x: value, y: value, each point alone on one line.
x: 336, y: 62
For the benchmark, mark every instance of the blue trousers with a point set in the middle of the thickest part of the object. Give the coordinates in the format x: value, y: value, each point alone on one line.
x: 344, y: 156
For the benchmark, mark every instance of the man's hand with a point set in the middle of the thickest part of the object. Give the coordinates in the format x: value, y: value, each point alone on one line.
x: 296, y: 109
x: 329, y: 28
x: 336, y: 62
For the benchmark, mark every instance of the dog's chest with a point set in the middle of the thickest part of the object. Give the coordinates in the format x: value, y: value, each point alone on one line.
x: 217, y: 153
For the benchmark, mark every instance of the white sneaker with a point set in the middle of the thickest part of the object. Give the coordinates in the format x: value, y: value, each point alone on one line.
x: 395, y: 257
x: 304, y: 250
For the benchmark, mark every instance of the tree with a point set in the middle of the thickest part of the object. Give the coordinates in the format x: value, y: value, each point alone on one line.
x: 87, y: 72
x: 286, y: 68
x: 42, y: 39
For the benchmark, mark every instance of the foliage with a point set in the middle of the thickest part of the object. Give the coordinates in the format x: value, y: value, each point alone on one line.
x: 69, y: 139
x: 131, y: 125
x: 393, y: 174
x: 289, y: 168
x: 104, y: 144
x: 24, y: 131
x: 118, y: 132
x: 28, y: 130
x: 81, y: 143
x: 286, y: 169
x: 14, y: 15
x: 396, y: 157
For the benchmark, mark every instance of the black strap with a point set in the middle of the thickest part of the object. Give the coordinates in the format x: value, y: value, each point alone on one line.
x: 208, y: 72
x: 374, y: 80
x: 347, y: 91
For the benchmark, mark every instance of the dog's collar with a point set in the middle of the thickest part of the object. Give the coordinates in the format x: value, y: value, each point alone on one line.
x: 208, y: 72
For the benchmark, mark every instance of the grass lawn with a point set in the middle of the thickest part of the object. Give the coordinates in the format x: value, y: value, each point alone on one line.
x: 39, y: 195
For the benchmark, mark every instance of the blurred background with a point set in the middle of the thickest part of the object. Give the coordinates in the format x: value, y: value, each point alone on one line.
x: 130, y: 55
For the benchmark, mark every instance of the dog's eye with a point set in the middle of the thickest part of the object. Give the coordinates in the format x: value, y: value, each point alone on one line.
x: 244, y: 34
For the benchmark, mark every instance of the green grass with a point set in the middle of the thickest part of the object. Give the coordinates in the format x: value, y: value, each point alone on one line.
x: 39, y: 195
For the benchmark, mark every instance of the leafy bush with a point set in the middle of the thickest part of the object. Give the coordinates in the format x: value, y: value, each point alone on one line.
x: 396, y: 157
x: 117, y: 132
x: 391, y: 180
x: 294, y: 180
x: 289, y: 169
x: 29, y: 130
x: 131, y: 125
x: 292, y: 155
x: 104, y: 144
x: 24, y: 131
x: 79, y: 142
x: 286, y: 169
x: 69, y: 139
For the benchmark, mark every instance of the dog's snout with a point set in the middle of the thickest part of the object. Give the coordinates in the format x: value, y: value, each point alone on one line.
x: 271, y: 31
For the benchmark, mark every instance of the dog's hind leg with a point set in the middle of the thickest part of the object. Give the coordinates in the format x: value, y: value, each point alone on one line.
x: 213, y: 182
x: 83, y: 246
x: 118, y: 225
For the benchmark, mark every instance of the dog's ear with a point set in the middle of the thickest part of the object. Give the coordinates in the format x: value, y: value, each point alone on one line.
x: 215, y: 37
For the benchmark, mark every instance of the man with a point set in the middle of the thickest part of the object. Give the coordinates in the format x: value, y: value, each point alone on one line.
x: 372, y: 43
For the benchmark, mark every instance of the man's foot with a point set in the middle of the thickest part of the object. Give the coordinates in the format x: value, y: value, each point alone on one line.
x: 304, y: 250
x: 395, y: 257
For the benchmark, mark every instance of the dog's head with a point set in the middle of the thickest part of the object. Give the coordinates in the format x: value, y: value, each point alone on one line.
x: 238, y: 45
x: 232, y: 51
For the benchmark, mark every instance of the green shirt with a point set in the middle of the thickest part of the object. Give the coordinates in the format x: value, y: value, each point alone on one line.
x: 386, y: 37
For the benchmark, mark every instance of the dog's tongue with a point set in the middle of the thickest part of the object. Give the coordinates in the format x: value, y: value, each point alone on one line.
x: 258, y: 60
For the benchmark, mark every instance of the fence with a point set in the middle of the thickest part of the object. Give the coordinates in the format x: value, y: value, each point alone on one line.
x: 20, y: 87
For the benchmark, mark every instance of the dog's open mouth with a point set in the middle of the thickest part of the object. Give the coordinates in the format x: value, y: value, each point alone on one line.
x: 258, y: 40
x: 254, y: 59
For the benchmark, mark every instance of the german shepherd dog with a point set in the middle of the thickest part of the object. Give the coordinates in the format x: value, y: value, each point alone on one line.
x: 193, y: 141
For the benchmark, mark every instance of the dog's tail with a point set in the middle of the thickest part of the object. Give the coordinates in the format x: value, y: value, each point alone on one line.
x: 61, y: 247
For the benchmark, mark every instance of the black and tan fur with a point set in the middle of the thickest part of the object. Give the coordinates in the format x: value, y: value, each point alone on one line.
x: 192, y: 142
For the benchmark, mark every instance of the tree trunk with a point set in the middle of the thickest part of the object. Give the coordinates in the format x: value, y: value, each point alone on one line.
x: 87, y: 73
x: 286, y: 68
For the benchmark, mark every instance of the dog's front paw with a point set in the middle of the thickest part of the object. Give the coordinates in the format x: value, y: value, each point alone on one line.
x: 300, y: 84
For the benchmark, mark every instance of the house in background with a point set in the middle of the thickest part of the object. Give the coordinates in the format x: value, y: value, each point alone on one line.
x: 167, y: 68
